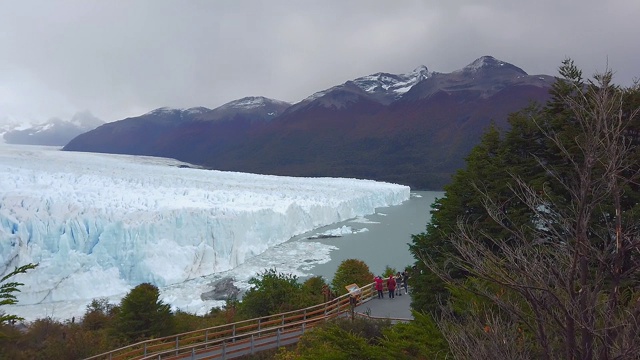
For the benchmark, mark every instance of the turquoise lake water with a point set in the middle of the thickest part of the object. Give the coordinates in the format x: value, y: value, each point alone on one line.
x: 385, y: 242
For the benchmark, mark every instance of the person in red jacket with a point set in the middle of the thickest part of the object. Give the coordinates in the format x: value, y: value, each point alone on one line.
x: 379, y: 287
x: 391, y: 285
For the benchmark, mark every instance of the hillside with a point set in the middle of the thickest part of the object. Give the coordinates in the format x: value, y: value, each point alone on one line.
x: 413, y: 129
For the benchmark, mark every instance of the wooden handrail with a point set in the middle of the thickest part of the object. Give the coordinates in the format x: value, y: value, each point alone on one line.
x: 210, y: 338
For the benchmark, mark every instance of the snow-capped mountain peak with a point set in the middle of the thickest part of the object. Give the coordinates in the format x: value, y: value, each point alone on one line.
x: 165, y: 110
x: 251, y: 102
x: 254, y: 107
x: 484, y: 61
x: 487, y: 63
x: 315, y: 95
x: 385, y: 87
x: 420, y: 73
x: 197, y: 110
x: 390, y: 83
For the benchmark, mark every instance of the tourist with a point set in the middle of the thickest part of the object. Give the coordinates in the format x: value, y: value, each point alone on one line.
x: 379, y: 287
x: 398, y: 284
x: 391, y: 285
x: 405, y: 281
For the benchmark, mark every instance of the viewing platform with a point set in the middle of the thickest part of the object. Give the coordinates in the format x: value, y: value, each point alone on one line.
x: 250, y: 336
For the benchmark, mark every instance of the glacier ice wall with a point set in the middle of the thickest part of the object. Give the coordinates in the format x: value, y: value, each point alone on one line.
x: 99, y: 224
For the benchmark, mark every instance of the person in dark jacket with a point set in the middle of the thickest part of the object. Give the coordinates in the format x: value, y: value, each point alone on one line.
x: 405, y: 281
x: 398, y: 284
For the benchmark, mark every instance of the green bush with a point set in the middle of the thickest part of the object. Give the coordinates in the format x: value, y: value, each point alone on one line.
x: 419, y: 339
x: 99, y: 314
x: 142, y: 315
x: 388, y: 271
x: 331, y: 342
x: 351, y: 271
x: 272, y: 293
x: 312, y: 290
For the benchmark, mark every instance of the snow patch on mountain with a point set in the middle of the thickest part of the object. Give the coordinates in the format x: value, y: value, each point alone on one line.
x: 169, y: 111
x: 489, y: 62
x: 251, y: 102
x: 381, y: 84
x: 165, y: 110
x: 398, y: 84
x: 484, y: 61
x: 316, y: 95
x: 196, y: 110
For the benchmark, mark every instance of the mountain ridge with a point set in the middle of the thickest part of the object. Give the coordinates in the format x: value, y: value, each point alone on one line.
x: 413, y: 129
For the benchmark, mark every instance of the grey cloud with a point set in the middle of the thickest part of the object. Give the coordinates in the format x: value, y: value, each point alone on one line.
x: 123, y: 58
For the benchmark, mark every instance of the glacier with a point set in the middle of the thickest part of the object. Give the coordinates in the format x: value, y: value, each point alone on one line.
x: 100, y: 224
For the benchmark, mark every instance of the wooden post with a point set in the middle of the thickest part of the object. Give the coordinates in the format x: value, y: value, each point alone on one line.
x: 224, y: 350
x: 234, y: 332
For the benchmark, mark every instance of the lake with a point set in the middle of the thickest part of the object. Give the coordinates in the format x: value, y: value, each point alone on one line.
x: 385, y: 242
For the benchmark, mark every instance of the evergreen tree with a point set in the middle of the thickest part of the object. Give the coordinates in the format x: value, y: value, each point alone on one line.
x: 351, y: 271
x: 485, y: 170
x: 542, y: 230
x: 142, y: 314
x: 271, y: 293
x: 7, y: 290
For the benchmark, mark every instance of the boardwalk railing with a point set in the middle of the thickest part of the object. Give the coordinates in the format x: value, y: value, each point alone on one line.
x: 243, y: 337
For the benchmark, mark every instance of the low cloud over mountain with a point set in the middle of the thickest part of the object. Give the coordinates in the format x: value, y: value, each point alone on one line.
x: 55, y: 132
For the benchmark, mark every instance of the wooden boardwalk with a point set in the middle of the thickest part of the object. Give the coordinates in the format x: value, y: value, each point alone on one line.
x: 254, y: 335
x: 398, y: 308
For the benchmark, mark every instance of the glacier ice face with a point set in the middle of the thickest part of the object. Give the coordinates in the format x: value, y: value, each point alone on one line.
x: 99, y: 224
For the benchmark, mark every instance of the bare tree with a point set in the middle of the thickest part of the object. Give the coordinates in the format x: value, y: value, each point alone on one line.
x: 567, y: 285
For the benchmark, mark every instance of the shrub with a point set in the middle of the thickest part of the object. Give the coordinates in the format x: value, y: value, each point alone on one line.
x: 143, y: 315
x: 272, y: 293
x: 351, y: 271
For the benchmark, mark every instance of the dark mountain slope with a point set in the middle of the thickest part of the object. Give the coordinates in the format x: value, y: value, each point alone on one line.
x: 412, y: 129
x: 182, y: 134
x: 419, y: 143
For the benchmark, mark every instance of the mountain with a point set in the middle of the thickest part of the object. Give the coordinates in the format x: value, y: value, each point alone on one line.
x: 379, y: 88
x: 55, y: 132
x: 482, y: 78
x: 413, y: 129
x: 8, y: 125
x: 181, y: 133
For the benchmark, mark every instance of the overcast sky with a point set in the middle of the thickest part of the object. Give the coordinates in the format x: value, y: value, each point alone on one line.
x: 120, y: 58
